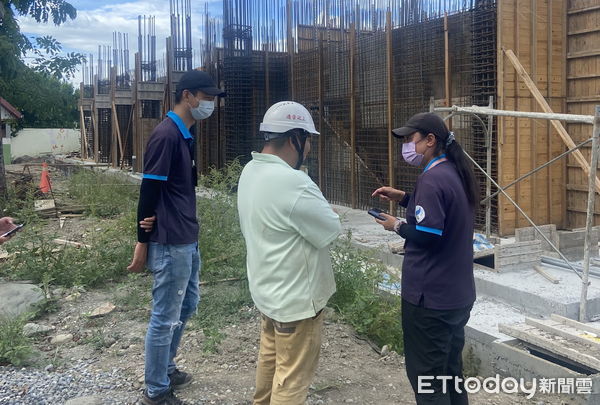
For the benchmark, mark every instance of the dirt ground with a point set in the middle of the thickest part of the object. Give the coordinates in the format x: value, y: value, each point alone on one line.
x: 350, y: 370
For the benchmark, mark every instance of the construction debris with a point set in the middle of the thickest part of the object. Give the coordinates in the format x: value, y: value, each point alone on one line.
x: 71, y: 243
x: 44, y: 206
x: 570, y: 341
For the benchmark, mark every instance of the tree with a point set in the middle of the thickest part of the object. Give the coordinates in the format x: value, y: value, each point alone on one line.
x: 49, y: 61
x: 45, y: 101
x: 14, y: 45
x: 38, y: 91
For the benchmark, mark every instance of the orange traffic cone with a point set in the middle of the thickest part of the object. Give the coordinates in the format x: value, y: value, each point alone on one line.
x: 45, y: 186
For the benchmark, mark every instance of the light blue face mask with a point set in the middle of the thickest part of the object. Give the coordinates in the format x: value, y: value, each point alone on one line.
x: 203, y: 111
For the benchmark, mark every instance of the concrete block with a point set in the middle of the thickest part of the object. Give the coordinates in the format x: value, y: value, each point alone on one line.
x: 517, y: 256
x: 530, y: 234
x: 522, y: 300
x: 508, y: 359
x: 571, y: 243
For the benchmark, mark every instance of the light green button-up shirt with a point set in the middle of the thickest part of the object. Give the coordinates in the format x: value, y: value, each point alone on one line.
x: 288, y: 227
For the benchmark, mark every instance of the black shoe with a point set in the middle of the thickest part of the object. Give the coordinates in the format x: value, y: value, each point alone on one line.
x: 166, y: 398
x: 180, y: 379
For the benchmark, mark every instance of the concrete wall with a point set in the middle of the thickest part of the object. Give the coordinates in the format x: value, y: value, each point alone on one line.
x: 45, y: 141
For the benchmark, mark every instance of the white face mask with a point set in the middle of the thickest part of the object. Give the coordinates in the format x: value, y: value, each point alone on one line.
x: 203, y: 111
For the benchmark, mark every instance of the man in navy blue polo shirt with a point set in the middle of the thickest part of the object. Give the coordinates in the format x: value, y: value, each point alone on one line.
x: 169, y: 242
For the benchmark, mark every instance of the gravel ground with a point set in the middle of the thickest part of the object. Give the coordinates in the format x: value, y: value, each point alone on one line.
x: 31, y: 386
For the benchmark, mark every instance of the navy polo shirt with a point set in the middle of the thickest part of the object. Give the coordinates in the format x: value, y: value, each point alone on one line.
x: 440, y: 277
x: 169, y: 158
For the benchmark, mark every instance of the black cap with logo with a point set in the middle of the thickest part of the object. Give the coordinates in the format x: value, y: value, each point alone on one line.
x: 199, y: 80
x: 426, y: 123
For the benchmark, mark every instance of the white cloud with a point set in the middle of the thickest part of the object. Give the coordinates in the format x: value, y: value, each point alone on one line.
x: 95, y: 27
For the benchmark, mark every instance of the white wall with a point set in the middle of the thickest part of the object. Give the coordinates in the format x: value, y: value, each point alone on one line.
x: 45, y: 141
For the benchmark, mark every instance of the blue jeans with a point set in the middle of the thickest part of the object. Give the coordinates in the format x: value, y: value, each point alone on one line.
x: 175, y: 296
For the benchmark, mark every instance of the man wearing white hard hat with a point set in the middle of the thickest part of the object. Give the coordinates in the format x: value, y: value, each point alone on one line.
x: 288, y: 227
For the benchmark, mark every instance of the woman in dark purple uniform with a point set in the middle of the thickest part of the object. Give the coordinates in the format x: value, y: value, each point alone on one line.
x: 438, y: 288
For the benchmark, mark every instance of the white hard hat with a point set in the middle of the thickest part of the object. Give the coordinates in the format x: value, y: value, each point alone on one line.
x: 286, y: 115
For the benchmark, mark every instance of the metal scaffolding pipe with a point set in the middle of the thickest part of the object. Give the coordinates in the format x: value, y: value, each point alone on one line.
x: 537, y: 169
x: 508, y: 197
x: 583, y: 119
x: 560, y: 263
x: 587, y: 248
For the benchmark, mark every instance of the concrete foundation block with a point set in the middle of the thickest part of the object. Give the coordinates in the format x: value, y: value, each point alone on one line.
x: 508, y: 359
x: 571, y: 243
x: 517, y: 256
x: 530, y: 234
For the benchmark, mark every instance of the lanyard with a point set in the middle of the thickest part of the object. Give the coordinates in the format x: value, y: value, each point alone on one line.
x: 443, y: 155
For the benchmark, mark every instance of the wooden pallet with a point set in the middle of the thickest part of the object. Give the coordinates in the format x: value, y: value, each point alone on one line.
x: 568, y: 339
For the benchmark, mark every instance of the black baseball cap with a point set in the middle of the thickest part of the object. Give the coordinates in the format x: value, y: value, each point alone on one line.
x: 426, y: 123
x: 199, y: 80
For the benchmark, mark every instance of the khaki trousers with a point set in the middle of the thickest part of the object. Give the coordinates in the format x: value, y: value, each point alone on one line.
x: 287, y: 360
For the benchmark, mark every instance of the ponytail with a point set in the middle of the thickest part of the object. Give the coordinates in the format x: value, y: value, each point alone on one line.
x: 455, y: 153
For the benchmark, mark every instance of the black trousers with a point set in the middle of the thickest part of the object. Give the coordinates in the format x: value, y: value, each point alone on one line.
x: 433, y: 344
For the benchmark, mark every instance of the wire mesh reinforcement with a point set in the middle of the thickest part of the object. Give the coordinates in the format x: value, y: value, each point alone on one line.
x: 330, y: 55
x: 321, y: 78
x: 104, y: 134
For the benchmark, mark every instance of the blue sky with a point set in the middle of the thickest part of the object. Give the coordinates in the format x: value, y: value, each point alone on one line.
x: 97, y: 20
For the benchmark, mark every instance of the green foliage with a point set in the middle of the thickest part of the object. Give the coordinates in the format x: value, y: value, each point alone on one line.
x: 42, y: 11
x: 34, y: 256
x: 41, y: 96
x: 12, y: 43
x: 15, y: 347
x: 57, y: 11
x: 103, y: 196
x: 18, y: 204
x: 97, y: 339
x: 44, y: 101
x: 221, y: 241
x: 134, y: 295
x: 49, y: 62
x: 221, y: 304
x: 471, y: 363
x: 358, y: 298
x: 212, y: 339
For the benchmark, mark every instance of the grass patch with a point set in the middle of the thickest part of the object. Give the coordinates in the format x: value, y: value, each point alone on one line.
x: 358, y: 299
x: 102, y: 195
x: 221, y: 305
x: 35, y: 257
x: 15, y: 347
x: 471, y: 363
x: 134, y: 295
x: 221, y: 241
x: 97, y: 339
x: 18, y: 204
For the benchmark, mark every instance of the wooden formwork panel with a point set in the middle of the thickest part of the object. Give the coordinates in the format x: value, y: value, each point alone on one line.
x: 535, y: 31
x: 583, y: 94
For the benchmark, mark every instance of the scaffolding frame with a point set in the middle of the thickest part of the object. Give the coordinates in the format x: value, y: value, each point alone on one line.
x: 593, y: 120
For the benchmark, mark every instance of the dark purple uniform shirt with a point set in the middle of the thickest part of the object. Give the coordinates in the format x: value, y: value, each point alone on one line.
x: 440, y: 277
x: 168, y: 158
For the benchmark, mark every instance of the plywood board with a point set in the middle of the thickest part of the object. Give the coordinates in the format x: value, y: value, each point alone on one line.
x: 583, y: 93
x: 554, y: 344
x: 534, y: 30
